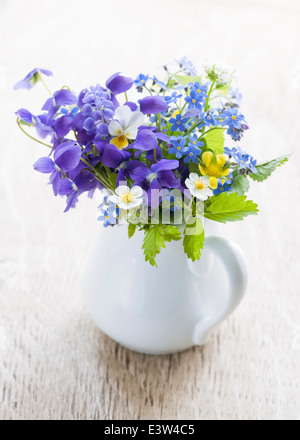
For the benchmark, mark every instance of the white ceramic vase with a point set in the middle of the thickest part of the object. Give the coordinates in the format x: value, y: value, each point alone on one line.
x: 165, y: 309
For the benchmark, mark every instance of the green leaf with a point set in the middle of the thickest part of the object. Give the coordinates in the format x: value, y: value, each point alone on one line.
x: 214, y: 140
x: 131, y: 229
x: 171, y: 82
x: 112, y: 176
x: 240, y: 184
x: 194, y: 238
x: 266, y: 169
x: 194, y: 167
x: 229, y: 207
x: 185, y: 80
x: 155, y: 239
x: 223, y: 88
x: 171, y: 233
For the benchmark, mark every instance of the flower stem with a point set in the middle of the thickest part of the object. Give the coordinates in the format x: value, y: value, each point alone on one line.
x: 183, y: 107
x: 148, y: 90
x: 31, y: 137
x: 126, y: 97
x: 193, y: 127
x: 208, y: 96
x: 41, y: 78
x: 211, y: 129
x: 105, y: 182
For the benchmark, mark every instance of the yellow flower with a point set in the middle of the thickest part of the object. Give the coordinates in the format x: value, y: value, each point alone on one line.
x: 125, y: 126
x: 213, y: 166
x: 175, y: 113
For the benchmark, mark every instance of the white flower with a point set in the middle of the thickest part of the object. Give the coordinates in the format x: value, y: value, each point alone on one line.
x: 127, y: 198
x: 125, y: 126
x: 199, y: 186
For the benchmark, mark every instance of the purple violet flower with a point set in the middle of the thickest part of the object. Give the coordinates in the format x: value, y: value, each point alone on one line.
x: 31, y: 78
x: 67, y: 155
x: 151, y: 105
x: 47, y: 166
x: 146, y: 140
x: 157, y: 176
x: 64, y: 97
x: 119, y: 84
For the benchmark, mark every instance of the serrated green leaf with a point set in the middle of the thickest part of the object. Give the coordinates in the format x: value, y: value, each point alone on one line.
x: 266, y: 169
x: 185, y: 80
x: 227, y: 207
x: 214, y: 140
x: 193, y: 240
x: 131, y: 229
x: 155, y: 239
x: 240, y: 184
x: 171, y: 233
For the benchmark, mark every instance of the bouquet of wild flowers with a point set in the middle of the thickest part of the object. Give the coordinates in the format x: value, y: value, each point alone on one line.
x: 160, y: 159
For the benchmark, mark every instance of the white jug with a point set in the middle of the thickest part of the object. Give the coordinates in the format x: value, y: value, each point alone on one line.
x: 166, y: 309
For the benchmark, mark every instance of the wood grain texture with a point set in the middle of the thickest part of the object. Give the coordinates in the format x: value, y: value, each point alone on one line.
x: 54, y: 362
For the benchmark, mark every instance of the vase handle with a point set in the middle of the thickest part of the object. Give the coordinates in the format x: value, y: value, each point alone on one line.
x: 234, y: 261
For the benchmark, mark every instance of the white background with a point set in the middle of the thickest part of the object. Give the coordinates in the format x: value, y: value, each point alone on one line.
x: 44, y: 329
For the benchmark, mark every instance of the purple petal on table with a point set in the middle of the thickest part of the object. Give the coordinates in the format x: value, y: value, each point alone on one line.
x: 62, y: 125
x: 152, y: 105
x: 44, y: 165
x: 65, y: 97
x: 145, y: 140
x: 112, y: 156
x: 25, y: 115
x: 165, y: 164
x: 118, y: 83
x: 67, y: 155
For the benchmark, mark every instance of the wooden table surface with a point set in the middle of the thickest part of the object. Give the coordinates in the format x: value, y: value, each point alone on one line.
x: 54, y: 362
